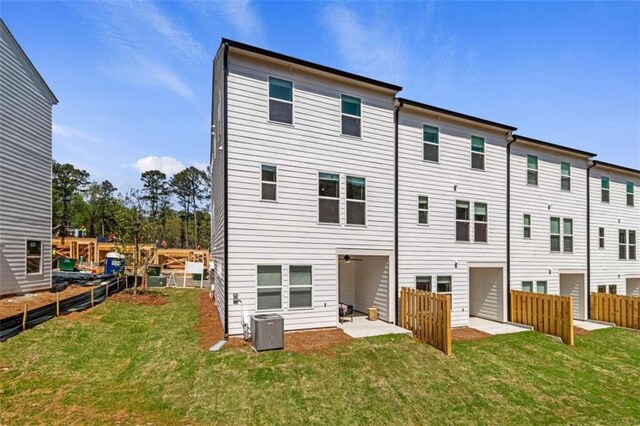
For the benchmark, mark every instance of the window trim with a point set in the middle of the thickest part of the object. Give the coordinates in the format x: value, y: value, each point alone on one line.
x: 483, y: 153
x: 536, y: 170
x: 526, y: 227
x: 423, y: 210
x: 292, y: 102
x: 319, y: 197
x: 289, y: 286
x: 352, y: 200
x: 262, y: 182
x: 437, y: 144
x: 563, y: 177
x: 281, y: 287
x: 603, y: 189
x: 27, y: 256
x: 349, y: 115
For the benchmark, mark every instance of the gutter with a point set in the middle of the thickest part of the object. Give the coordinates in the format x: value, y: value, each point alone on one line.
x: 225, y: 72
x: 396, y: 116
x: 513, y: 139
x: 589, y: 239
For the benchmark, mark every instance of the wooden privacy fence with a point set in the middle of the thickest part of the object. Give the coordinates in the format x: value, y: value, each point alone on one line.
x: 623, y: 311
x: 428, y: 316
x: 546, y: 313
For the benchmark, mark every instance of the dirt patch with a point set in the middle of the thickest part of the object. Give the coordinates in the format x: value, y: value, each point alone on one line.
x: 209, y: 325
x: 15, y: 305
x: 465, y: 334
x: 144, y: 297
x: 577, y: 331
x: 304, y: 342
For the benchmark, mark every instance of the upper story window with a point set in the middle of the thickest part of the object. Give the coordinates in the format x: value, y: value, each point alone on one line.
x: 356, y: 201
x: 626, y: 244
x: 480, y: 225
x: 630, y: 199
x: 462, y: 221
x: 280, y: 100
x: 601, y: 238
x: 565, y: 176
x: 477, y: 152
x: 423, y: 283
x: 632, y: 245
x: 567, y: 231
x: 526, y: 226
x: 555, y: 234
x: 34, y: 257
x: 622, y: 244
x: 351, y: 116
x: 269, y: 179
x: 329, y: 198
x: 430, y: 147
x: 423, y: 210
x: 532, y: 170
x: 604, y: 185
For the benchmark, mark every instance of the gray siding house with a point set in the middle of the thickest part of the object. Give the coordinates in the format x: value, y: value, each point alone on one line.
x: 25, y: 171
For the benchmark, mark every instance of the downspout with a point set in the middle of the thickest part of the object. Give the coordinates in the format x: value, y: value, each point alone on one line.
x: 226, y: 193
x: 513, y: 139
x: 396, y: 116
x: 589, y: 240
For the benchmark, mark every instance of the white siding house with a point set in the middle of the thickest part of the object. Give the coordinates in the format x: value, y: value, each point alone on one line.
x: 614, y: 229
x: 452, y: 208
x: 303, y: 198
x: 25, y: 171
x: 548, y: 220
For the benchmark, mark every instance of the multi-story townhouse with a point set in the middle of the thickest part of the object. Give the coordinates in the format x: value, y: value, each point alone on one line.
x: 303, y: 189
x: 26, y: 104
x: 452, y: 215
x: 548, y: 220
x: 614, y: 228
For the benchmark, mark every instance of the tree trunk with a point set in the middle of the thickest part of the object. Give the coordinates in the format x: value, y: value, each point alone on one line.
x: 195, y: 224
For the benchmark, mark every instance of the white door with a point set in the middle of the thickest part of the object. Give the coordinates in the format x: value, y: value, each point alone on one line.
x: 573, y: 285
x: 486, y: 293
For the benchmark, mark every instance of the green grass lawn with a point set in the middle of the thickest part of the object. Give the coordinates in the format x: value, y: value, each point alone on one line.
x: 142, y: 364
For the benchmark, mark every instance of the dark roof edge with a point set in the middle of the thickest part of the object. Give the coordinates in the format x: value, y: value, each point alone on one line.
x: 313, y: 65
x: 615, y: 166
x: 554, y: 146
x: 456, y: 114
x: 54, y: 100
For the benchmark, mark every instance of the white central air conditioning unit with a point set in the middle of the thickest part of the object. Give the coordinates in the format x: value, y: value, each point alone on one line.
x: 267, y: 332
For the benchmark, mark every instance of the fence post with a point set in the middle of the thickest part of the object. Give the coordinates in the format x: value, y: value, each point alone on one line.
x: 24, y: 317
x: 92, y: 297
x: 57, y: 304
x: 447, y: 325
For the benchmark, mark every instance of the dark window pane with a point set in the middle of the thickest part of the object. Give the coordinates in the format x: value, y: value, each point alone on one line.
x: 430, y: 134
x: 568, y: 244
x: 350, y: 126
x: 632, y: 237
x: 527, y: 232
x: 462, y: 210
x: 630, y: 199
x: 280, y: 89
x: 622, y: 252
x: 613, y: 289
x: 350, y: 105
x: 480, y: 232
x: 430, y: 152
x: 602, y: 289
x: 555, y: 243
x: 356, y: 188
x: 300, y: 297
x: 329, y: 211
x: 423, y: 217
x: 462, y: 231
x: 477, y: 161
x: 355, y: 213
x: 269, y: 173
x: 632, y: 252
x: 532, y: 177
x: 269, y: 298
x: 33, y: 265
x: 605, y: 195
x: 34, y: 248
x: 444, y: 284
x: 269, y: 275
x: 480, y: 212
x: 423, y: 283
x: 281, y: 112
x: 329, y: 185
x: 423, y: 202
x: 622, y: 236
x: 477, y: 144
x: 268, y: 191
x: 565, y: 184
x: 604, y: 182
x: 527, y: 286
x: 299, y: 275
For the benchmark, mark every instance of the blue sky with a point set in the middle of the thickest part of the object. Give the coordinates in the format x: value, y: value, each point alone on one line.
x: 134, y: 78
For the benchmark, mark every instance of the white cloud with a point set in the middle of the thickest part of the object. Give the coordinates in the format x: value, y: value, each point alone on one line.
x: 200, y: 165
x: 167, y: 165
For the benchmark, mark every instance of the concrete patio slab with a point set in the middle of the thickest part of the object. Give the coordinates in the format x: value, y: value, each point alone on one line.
x: 362, y: 327
x: 589, y: 325
x: 494, y: 327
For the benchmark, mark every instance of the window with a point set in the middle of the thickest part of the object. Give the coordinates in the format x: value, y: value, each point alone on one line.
x: 527, y: 286
x: 541, y: 287
x: 269, y: 287
x: 423, y: 283
x: 613, y: 289
x: 269, y: 178
x: 527, y: 226
x: 567, y: 230
x: 632, y: 245
x: 431, y: 139
x: 280, y: 100
x: 555, y: 234
x: 602, y: 289
x: 565, y: 176
x: 300, y: 284
x: 34, y: 257
x: 329, y: 198
x: 601, y: 238
x: 423, y: 210
x: 630, y: 193
x: 622, y: 244
x: 604, y: 185
x: 480, y: 222
x: 351, y: 113
x: 477, y: 152
x: 356, y: 201
x: 462, y: 221
x: 444, y: 284
x: 532, y: 170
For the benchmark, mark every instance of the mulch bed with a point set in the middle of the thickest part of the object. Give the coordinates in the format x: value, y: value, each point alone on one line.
x: 15, y: 304
x: 209, y: 325
x: 465, y: 334
x: 144, y: 297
